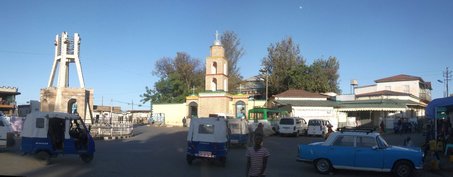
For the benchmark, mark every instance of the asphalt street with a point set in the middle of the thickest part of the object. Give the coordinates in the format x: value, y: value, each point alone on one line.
x: 160, y: 152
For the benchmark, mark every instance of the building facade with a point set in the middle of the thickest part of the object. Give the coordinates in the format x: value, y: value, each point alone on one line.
x: 8, y: 99
x: 390, y: 99
x: 216, y: 98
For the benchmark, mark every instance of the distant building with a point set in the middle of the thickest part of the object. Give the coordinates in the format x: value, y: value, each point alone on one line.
x: 33, y: 106
x: 253, y: 86
x: 107, y: 114
x: 8, y: 99
x: 391, y: 98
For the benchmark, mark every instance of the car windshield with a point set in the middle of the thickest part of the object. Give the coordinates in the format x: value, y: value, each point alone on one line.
x: 314, y: 122
x: 382, y: 142
x: 287, y: 121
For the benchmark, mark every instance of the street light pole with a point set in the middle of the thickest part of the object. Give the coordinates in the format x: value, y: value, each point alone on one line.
x: 265, y: 71
x: 267, y: 85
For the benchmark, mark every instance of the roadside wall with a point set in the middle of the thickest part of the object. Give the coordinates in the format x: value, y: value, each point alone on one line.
x: 173, y: 112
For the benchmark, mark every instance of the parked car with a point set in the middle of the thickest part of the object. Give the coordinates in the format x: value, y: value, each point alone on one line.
x: 318, y: 127
x: 292, y: 126
x: 208, y: 138
x: 356, y: 149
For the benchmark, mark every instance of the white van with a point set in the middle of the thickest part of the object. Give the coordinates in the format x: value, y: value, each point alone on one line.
x: 317, y: 127
x: 292, y: 125
x: 6, y: 133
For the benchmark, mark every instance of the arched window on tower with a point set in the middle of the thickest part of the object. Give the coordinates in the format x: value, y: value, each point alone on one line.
x: 214, y: 68
x: 214, y: 84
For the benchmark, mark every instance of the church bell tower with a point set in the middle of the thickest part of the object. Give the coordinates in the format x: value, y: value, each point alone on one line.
x: 216, y: 68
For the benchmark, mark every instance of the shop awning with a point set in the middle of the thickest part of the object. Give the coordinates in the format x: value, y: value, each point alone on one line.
x: 430, y: 110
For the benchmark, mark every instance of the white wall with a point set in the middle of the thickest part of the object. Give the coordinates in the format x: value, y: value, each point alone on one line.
x: 365, y: 89
x: 326, y: 113
x: 173, y: 112
x: 414, y: 87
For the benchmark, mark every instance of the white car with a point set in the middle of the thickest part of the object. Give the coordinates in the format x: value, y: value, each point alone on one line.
x: 318, y: 127
x: 292, y: 126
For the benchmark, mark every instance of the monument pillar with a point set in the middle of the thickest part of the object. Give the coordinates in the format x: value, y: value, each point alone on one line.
x: 61, y: 97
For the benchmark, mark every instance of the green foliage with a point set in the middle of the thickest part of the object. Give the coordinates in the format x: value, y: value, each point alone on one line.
x: 287, y: 69
x: 282, y: 57
x: 178, y: 76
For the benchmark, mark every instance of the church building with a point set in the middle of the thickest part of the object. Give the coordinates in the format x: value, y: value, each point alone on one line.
x: 216, y: 99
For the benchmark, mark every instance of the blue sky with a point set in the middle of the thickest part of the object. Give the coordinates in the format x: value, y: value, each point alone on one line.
x: 121, y: 40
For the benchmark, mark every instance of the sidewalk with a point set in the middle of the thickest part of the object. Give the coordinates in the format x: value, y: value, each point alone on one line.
x: 445, y: 166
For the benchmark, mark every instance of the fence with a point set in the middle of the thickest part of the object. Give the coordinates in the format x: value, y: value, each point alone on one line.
x: 110, y: 130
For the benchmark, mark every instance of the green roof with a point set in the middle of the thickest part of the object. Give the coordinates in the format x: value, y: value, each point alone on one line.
x: 386, y: 103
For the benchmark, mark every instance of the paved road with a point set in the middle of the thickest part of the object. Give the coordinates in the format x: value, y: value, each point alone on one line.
x: 159, y: 152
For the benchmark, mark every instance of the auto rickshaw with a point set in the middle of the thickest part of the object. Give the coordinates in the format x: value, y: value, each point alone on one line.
x: 239, y: 132
x: 48, y: 134
x: 207, y: 139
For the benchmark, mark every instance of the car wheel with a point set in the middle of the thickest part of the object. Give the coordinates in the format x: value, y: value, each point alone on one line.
x: 189, y: 159
x: 323, y: 166
x: 403, y: 169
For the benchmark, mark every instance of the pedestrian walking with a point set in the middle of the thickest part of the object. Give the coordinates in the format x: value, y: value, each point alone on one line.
x: 382, y: 126
x: 257, y: 157
x: 329, y: 131
x: 259, y: 131
x: 184, y: 121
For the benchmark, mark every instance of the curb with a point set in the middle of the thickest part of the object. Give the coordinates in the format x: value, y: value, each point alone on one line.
x: 107, y: 138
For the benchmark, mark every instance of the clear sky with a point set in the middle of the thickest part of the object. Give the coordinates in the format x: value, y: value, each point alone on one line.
x: 121, y: 40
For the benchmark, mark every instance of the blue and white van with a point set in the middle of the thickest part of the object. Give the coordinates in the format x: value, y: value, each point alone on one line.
x: 207, y: 138
x: 48, y: 134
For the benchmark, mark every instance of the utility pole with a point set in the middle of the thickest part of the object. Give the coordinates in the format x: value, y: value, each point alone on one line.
x: 447, y: 77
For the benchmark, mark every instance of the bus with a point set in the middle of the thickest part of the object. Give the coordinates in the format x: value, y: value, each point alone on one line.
x: 270, y: 115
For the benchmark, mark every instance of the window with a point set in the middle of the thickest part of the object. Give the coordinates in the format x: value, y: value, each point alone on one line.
x: 1, y: 123
x: 344, y: 141
x: 314, y: 122
x: 287, y: 121
x: 366, y: 141
x: 40, y: 123
x: 206, y: 129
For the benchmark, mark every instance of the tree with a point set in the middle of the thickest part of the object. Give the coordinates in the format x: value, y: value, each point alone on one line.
x: 178, y: 76
x: 287, y: 69
x: 283, y: 57
x: 233, y: 52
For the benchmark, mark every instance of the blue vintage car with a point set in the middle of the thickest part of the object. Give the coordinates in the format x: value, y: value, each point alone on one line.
x: 360, y: 150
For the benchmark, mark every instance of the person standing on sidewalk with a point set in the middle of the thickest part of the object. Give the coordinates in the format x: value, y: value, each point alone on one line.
x: 257, y: 157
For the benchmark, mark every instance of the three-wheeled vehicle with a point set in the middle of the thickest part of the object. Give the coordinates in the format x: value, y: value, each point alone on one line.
x: 239, y: 132
x: 6, y: 133
x: 48, y: 134
x: 207, y: 138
